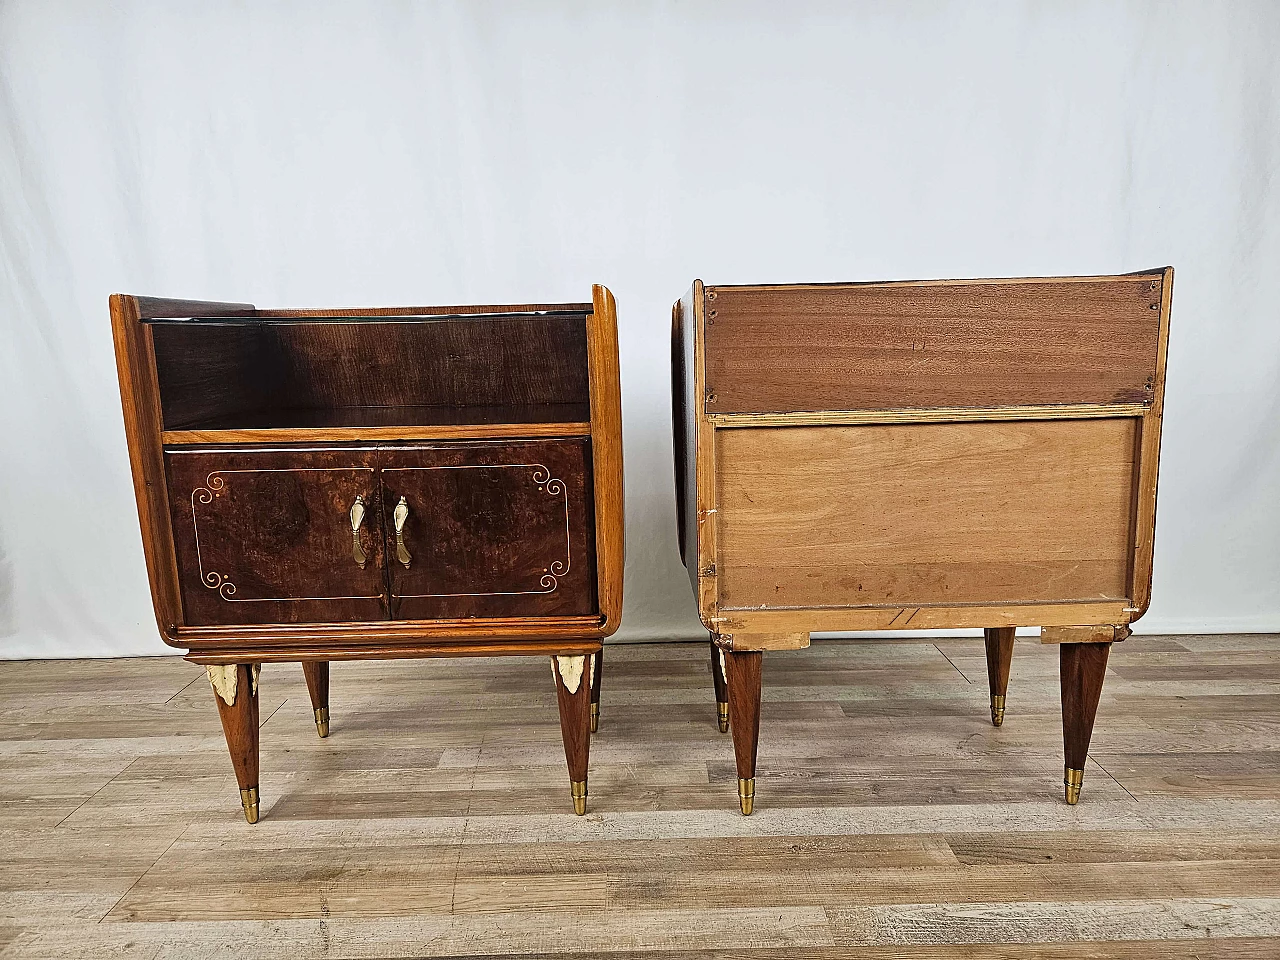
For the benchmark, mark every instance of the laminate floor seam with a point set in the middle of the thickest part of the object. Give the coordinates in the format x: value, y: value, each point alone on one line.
x: 1097, y: 761
x: 953, y: 665
x: 141, y: 877
x: 121, y: 772
x: 181, y: 690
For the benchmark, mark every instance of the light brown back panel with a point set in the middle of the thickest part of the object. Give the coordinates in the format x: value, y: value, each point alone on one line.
x: 916, y: 514
x: 937, y: 344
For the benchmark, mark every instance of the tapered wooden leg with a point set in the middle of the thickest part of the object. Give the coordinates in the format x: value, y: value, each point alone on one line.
x: 596, y: 676
x: 743, y: 682
x: 722, y: 690
x: 317, y: 674
x: 1083, y: 666
x: 235, y: 689
x: 999, y: 657
x: 573, y: 677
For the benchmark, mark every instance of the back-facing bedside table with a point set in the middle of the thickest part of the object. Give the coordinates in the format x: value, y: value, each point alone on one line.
x: 902, y: 456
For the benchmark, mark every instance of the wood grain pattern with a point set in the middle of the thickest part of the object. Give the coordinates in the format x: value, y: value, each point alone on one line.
x: 519, y: 430
x: 507, y: 309
x: 699, y: 458
x: 814, y: 418
x: 304, y: 641
x: 999, y: 646
x: 268, y: 648
x: 575, y: 720
x: 261, y: 548
x: 893, y: 821
x: 493, y: 530
x: 1099, y: 633
x: 241, y: 375
x: 764, y: 624
x: 300, y: 356
x: 1144, y: 537
x: 606, y: 456
x: 264, y: 536
x: 140, y: 401
x: 219, y: 373
x: 743, y: 673
x: 316, y: 673
x: 149, y: 308
x: 888, y: 346
x: 1083, y: 669
x: 240, y: 726
x: 911, y: 515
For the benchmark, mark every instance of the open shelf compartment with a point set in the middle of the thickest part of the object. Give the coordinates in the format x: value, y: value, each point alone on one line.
x: 371, y: 377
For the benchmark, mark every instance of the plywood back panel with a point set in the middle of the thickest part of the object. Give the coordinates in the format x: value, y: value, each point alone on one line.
x: 993, y: 512
x: 932, y: 344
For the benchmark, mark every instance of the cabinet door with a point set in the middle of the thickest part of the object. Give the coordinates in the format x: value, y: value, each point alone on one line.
x: 275, y: 536
x: 498, y: 529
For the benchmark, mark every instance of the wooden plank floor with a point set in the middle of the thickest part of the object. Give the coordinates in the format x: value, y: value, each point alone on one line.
x: 892, y: 819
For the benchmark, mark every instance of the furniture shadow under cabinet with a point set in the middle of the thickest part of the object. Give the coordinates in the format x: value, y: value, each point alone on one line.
x: 318, y: 485
x: 903, y: 456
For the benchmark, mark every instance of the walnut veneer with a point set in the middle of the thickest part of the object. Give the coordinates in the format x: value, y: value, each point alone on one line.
x: 318, y: 485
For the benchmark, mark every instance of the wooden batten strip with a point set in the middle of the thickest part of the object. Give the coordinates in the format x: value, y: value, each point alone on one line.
x: 1144, y: 533
x: 705, y: 465
x: 965, y: 282
x: 359, y: 434
x: 810, y: 418
x: 763, y: 624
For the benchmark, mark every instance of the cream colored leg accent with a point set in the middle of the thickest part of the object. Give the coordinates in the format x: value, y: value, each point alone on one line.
x: 570, y: 671
x: 223, y: 678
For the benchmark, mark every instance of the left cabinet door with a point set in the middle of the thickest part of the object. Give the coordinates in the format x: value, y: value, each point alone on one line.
x: 277, y: 536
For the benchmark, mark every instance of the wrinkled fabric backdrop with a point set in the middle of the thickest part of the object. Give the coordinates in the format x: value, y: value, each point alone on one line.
x: 413, y: 153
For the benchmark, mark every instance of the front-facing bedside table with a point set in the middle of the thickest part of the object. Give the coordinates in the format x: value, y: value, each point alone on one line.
x: 318, y: 485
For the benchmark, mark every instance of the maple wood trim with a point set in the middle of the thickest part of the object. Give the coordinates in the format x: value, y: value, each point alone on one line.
x: 776, y: 629
x: 814, y: 418
x: 606, y: 454
x: 140, y: 403
x: 358, y: 434
x: 1144, y: 537
x: 281, y: 653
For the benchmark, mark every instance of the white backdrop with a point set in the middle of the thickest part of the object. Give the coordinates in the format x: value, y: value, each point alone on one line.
x: 382, y: 153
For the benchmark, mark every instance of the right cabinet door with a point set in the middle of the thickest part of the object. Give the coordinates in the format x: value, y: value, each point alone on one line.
x: 493, y: 529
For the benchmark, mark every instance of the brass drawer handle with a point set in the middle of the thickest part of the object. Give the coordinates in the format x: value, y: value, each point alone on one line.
x: 401, y: 514
x: 357, y: 521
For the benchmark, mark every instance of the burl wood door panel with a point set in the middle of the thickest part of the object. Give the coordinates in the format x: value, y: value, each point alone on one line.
x: 491, y: 529
x: 940, y: 344
x: 265, y: 536
x: 1009, y: 512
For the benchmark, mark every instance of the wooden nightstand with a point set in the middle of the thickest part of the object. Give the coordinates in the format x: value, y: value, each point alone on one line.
x: 318, y: 485
x: 902, y: 456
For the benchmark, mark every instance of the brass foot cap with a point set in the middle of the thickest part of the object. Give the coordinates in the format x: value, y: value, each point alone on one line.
x: 322, y: 721
x: 997, y: 710
x: 595, y: 718
x: 578, y: 788
x: 249, y: 800
x: 1072, y: 779
x: 722, y: 716
x: 747, y: 795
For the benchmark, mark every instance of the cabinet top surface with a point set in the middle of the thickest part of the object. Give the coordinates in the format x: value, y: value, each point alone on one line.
x: 373, y: 315
x: 1102, y: 278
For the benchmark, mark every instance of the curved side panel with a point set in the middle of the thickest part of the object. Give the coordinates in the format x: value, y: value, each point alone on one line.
x: 606, y: 454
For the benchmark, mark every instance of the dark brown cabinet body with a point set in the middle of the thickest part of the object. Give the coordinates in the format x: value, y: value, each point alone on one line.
x: 318, y: 485
x: 502, y: 529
